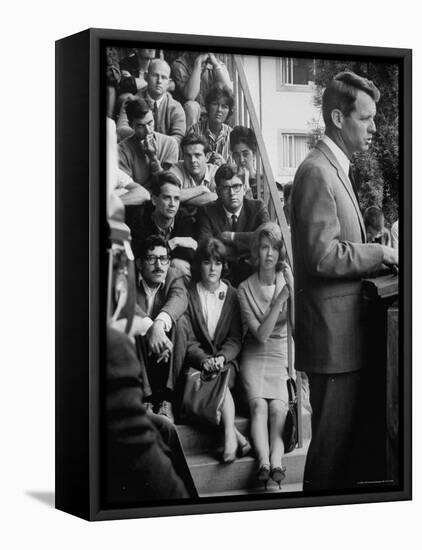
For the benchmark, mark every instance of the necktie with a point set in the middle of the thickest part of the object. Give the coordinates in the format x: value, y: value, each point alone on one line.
x: 234, y: 222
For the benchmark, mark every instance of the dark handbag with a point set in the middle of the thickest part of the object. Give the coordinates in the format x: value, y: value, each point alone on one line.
x: 291, y: 426
x: 204, y: 395
x: 290, y: 432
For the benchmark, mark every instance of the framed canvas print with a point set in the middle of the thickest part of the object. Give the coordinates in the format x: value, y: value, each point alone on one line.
x: 233, y: 296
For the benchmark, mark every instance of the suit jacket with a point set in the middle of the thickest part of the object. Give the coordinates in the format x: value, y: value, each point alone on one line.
x: 171, y: 297
x: 212, y: 220
x: 228, y: 335
x: 136, y: 456
x: 330, y: 258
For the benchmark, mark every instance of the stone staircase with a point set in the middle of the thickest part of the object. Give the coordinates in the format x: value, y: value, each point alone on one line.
x: 203, y: 446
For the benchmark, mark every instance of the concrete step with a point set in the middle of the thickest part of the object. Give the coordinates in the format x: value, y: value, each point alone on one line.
x: 200, y: 438
x: 211, y: 477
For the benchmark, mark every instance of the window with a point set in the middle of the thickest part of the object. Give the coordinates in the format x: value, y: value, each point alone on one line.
x: 294, y: 148
x: 296, y: 72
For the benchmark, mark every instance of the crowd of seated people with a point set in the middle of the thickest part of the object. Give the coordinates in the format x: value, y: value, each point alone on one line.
x: 204, y: 247
x: 214, y: 291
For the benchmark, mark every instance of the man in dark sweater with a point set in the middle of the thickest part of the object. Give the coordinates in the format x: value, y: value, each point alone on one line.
x: 163, y: 218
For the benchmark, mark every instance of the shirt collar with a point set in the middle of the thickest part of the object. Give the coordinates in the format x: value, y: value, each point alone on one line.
x: 230, y: 214
x: 338, y: 153
x: 162, y: 230
x: 159, y: 101
x: 148, y: 290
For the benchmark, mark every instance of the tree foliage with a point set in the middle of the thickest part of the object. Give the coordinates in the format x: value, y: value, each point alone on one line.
x: 377, y: 171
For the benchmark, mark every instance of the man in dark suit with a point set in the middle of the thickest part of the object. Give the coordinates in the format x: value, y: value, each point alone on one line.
x: 232, y: 218
x: 144, y: 457
x: 161, y: 301
x: 163, y: 217
x: 330, y: 258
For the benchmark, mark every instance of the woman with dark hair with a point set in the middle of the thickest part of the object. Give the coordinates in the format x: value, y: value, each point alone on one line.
x: 215, y: 334
x: 263, y: 301
x: 243, y: 146
x: 219, y: 104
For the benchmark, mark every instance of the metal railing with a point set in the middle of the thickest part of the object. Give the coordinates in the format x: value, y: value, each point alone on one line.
x: 266, y: 189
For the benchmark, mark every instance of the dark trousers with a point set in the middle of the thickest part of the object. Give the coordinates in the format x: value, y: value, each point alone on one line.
x: 335, y: 401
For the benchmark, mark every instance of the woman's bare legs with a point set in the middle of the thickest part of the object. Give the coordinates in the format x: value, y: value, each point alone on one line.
x: 259, y: 430
x: 278, y: 411
x: 227, y: 419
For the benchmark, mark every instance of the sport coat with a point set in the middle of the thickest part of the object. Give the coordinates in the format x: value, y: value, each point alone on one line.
x: 330, y: 258
x: 212, y: 221
x: 171, y: 297
x: 228, y: 335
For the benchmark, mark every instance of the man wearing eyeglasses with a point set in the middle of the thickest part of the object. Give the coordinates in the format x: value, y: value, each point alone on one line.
x: 161, y: 301
x: 232, y: 218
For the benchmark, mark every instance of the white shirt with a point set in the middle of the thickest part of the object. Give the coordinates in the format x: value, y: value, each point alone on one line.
x: 147, y: 322
x: 338, y: 153
x: 158, y: 101
x: 212, y: 305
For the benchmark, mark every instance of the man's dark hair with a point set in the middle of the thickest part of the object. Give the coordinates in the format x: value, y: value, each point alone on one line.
x: 194, y: 139
x: 373, y: 217
x: 242, y: 134
x: 217, y: 93
x: 160, y: 179
x: 141, y: 248
x: 209, y: 249
x: 225, y: 172
x: 137, y: 108
x: 342, y: 91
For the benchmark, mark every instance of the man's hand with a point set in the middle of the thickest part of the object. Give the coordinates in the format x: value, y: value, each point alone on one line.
x: 201, y: 59
x: 226, y: 236
x: 157, y: 339
x: 150, y: 145
x: 185, y: 242
x: 390, y: 255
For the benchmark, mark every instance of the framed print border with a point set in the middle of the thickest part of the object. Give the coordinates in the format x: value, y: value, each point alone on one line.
x: 81, y: 268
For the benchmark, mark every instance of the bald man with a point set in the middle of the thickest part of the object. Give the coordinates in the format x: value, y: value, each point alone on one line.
x: 169, y: 115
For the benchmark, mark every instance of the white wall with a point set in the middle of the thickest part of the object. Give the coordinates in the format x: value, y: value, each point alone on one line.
x: 282, y: 110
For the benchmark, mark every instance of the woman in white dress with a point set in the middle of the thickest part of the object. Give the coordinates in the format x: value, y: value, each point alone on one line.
x: 263, y: 301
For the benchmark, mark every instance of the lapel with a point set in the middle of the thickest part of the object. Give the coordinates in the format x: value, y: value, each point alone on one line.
x: 196, y: 305
x: 223, y: 221
x: 225, y: 313
x: 325, y: 150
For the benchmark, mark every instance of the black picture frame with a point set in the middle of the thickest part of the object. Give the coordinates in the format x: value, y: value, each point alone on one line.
x: 80, y: 266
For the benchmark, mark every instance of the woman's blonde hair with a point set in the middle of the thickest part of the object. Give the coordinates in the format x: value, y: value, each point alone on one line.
x: 273, y: 232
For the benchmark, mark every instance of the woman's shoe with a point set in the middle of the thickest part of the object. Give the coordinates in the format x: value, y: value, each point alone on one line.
x: 227, y: 458
x: 263, y: 474
x: 278, y: 475
x: 245, y: 449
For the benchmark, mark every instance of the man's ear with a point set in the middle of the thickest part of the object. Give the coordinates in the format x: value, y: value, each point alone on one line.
x: 337, y: 118
x: 154, y: 200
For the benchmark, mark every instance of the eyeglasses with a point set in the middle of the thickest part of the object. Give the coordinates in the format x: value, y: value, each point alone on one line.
x: 152, y: 259
x: 236, y: 188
